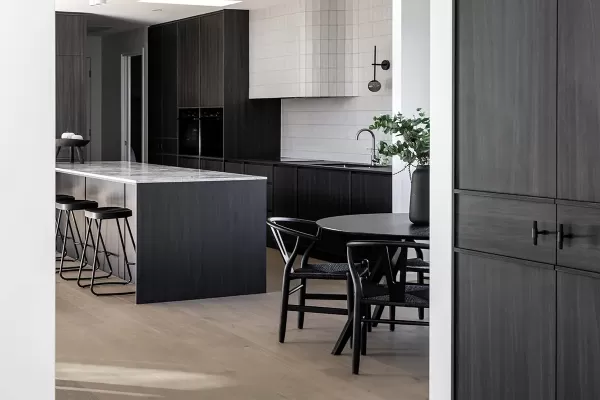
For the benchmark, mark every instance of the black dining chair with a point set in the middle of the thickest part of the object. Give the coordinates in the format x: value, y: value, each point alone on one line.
x: 305, y: 235
x: 395, y: 292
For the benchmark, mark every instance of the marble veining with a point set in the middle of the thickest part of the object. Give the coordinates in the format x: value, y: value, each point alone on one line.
x: 134, y: 173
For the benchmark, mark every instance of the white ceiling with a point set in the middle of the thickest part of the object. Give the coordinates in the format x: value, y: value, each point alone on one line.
x: 142, y: 13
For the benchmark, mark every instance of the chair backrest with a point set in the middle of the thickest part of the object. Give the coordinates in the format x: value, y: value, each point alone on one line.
x: 391, y: 270
x: 304, y: 231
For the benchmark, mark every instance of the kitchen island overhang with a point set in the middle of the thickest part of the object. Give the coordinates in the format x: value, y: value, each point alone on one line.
x: 199, y: 234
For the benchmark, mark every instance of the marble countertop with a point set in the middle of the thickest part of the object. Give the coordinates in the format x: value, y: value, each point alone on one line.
x: 134, y: 173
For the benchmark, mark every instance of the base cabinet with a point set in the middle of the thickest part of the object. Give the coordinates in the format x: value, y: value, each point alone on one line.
x: 578, y: 335
x: 505, y: 329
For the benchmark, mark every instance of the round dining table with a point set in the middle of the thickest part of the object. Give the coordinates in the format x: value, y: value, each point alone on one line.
x: 374, y: 227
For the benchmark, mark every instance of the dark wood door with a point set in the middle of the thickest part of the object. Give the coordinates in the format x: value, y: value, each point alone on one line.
x: 70, y: 34
x: 70, y: 95
x: 581, y: 237
x: 169, y: 80
x: 578, y: 330
x: 285, y: 191
x: 505, y: 329
x: 155, y: 83
x: 323, y: 193
x: 578, y: 102
x: 371, y: 193
x: 211, y: 60
x: 505, y: 226
x: 506, y: 96
x: 188, y: 55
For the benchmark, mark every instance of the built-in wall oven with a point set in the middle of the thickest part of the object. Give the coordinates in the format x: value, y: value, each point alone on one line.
x: 201, y: 132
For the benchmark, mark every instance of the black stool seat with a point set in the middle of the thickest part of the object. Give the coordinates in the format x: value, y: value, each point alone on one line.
x: 108, y: 213
x: 75, y: 205
x: 64, y: 197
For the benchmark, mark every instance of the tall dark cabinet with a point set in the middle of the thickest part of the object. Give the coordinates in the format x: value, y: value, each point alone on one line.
x: 527, y: 200
x: 202, y: 63
x: 71, y: 74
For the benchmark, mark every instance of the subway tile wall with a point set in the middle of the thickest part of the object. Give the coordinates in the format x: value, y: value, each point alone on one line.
x: 317, y: 55
x: 325, y: 128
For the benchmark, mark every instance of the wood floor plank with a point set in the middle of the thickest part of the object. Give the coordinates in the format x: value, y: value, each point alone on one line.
x: 110, y: 348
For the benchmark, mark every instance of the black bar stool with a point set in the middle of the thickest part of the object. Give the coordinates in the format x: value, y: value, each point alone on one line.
x: 99, y: 215
x: 68, y: 206
x: 61, y: 197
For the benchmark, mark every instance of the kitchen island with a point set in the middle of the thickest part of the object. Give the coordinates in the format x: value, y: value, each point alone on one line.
x: 199, y: 234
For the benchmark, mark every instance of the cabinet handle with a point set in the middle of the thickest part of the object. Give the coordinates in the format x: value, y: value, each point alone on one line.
x: 561, y: 236
x: 535, y: 233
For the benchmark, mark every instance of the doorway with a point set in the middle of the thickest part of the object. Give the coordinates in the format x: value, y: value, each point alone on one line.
x: 132, y: 102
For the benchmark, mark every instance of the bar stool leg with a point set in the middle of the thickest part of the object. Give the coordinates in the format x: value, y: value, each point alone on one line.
x: 80, y: 257
x: 84, y: 261
x: 99, y: 225
x: 106, y: 254
x: 64, y: 246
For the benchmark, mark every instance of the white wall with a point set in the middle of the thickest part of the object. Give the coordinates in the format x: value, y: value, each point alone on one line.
x: 325, y: 128
x: 93, y: 50
x: 411, y: 90
x: 27, y: 245
x: 440, y: 331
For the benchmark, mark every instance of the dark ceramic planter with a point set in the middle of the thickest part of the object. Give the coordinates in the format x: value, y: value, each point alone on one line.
x: 419, y: 196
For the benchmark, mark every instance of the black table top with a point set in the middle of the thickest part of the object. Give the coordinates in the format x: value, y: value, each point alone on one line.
x: 376, y: 225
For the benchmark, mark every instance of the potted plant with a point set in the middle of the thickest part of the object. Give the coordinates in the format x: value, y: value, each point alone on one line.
x: 410, y: 139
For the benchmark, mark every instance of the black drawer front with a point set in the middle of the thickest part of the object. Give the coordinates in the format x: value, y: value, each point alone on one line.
x: 504, y: 226
x: 581, y: 237
x: 187, y: 162
x: 260, y: 170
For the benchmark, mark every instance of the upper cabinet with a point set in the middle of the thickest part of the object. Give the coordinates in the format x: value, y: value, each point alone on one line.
x: 578, y: 100
x: 506, y: 94
x: 211, y: 60
x: 188, y: 56
x: 70, y: 34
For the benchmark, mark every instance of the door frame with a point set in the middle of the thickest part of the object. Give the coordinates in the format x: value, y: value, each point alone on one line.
x: 125, y: 102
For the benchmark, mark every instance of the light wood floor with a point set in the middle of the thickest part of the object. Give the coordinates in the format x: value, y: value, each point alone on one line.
x: 112, y: 349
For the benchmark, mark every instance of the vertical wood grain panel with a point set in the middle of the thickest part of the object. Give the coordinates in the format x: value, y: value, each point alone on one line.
x: 505, y: 332
x: 188, y: 65
x: 506, y: 96
x: 211, y: 60
x: 169, y: 80
x: 70, y: 95
x: 371, y: 193
x: 70, y: 34
x: 578, y: 100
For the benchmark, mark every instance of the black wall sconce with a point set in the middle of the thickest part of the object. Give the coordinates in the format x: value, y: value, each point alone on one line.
x: 374, y: 85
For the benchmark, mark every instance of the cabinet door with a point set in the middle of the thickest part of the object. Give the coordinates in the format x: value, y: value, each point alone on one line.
x: 211, y: 60
x: 285, y: 191
x: 506, y: 96
x: 234, y: 168
x: 505, y: 329
x: 169, y: 160
x: 371, y: 193
x: 169, y: 80
x: 188, y: 54
x: 323, y: 193
x: 578, y: 102
x: 70, y: 34
x: 155, y: 97
x: 188, y: 162
x: 70, y: 95
x: 581, y: 239
x: 578, y: 333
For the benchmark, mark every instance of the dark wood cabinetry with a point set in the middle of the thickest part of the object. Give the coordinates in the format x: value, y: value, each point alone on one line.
x: 70, y: 95
x: 285, y: 201
x: 71, y: 74
x: 371, y: 193
x: 188, y: 62
x: 506, y: 96
x: 580, y: 247
x: 168, y: 81
x: 211, y: 60
x: 211, y: 165
x: 323, y: 193
x: 505, y: 329
x: 189, y: 162
x: 70, y: 34
x: 578, y: 330
x: 234, y: 167
x: 578, y: 103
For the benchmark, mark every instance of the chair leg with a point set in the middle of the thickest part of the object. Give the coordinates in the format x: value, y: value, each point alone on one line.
x: 421, y: 280
x: 285, y: 298
x: 302, y: 302
x: 350, y: 299
x: 363, y: 339
x: 392, y: 316
x: 356, y: 338
x: 377, y: 315
x: 369, y: 311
